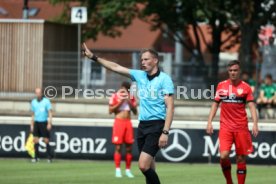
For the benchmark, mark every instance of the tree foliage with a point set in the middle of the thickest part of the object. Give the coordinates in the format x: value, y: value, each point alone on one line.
x: 104, y: 16
x: 240, y: 18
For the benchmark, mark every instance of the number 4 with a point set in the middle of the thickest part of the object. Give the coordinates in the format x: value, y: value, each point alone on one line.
x: 79, y: 14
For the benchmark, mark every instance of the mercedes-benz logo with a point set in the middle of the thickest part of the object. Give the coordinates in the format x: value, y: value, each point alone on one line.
x: 180, y: 146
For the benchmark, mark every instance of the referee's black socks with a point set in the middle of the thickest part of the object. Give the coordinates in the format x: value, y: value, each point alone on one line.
x: 48, y: 149
x: 151, y: 176
x: 36, y: 150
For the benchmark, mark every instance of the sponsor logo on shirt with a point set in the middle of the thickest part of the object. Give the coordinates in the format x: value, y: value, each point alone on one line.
x: 232, y: 98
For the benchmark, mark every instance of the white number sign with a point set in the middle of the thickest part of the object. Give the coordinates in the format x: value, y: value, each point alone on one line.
x: 78, y: 15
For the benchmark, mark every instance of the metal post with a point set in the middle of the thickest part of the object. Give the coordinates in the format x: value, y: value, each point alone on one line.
x: 79, y: 54
x: 178, y: 47
x: 86, y: 68
x: 178, y: 55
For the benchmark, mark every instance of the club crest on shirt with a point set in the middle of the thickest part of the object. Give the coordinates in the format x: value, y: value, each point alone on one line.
x: 239, y: 91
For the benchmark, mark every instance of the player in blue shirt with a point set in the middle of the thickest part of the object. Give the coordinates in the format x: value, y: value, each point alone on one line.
x: 156, y: 107
x: 41, y: 123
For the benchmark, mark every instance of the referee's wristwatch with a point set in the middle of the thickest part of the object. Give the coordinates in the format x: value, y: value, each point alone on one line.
x: 94, y: 58
x: 166, y: 132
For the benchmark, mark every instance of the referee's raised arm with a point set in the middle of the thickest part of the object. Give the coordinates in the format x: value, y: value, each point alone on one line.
x: 105, y: 63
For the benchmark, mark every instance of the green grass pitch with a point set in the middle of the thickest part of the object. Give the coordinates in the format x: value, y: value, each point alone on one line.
x: 21, y: 171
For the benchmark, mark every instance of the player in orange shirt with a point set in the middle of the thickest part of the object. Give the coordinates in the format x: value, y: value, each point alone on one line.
x: 121, y: 104
x: 233, y: 94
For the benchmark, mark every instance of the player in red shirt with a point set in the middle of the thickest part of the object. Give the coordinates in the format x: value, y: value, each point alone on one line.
x: 121, y: 104
x: 233, y: 94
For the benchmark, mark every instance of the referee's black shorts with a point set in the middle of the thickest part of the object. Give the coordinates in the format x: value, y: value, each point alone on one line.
x: 40, y: 130
x: 148, y: 136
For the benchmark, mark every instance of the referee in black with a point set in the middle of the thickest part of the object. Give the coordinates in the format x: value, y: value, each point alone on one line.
x: 41, y: 123
x: 156, y: 107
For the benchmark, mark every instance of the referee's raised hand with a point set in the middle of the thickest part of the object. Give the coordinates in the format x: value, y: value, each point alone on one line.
x: 86, y: 51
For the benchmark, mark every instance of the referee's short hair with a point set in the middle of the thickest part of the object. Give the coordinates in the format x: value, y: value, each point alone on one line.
x: 151, y: 51
x: 233, y: 62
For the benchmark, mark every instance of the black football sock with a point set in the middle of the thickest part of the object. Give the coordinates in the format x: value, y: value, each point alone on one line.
x: 36, y: 150
x: 48, y: 148
x: 151, y: 176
